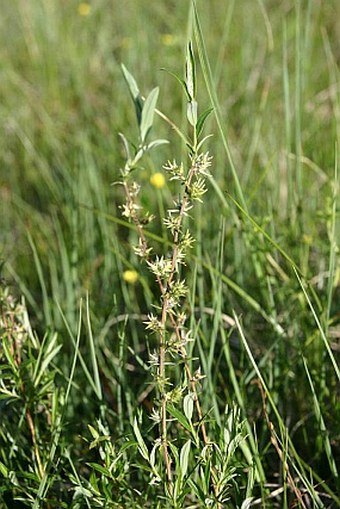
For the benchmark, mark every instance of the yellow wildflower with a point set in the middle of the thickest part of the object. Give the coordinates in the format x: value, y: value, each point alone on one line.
x: 168, y: 39
x: 84, y: 9
x: 157, y: 180
x: 130, y: 276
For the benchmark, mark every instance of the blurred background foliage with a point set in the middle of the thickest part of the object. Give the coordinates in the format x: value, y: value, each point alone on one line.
x: 63, y: 102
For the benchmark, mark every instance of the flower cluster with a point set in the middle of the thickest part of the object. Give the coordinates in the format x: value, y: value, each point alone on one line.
x: 153, y: 323
x: 175, y: 171
x: 202, y: 163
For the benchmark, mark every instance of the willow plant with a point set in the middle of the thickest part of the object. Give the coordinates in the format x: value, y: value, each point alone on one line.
x: 169, y: 323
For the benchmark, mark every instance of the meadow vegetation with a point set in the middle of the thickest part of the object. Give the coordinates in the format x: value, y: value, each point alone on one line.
x: 169, y: 247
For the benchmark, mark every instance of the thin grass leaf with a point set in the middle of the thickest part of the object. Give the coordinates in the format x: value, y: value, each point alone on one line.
x: 141, y: 444
x: 319, y: 417
x: 9, y: 355
x: 86, y: 493
x: 3, y: 470
x: 87, y: 373
x: 40, y: 272
x: 265, y: 234
x: 209, y: 81
x: 317, y: 321
x: 47, y: 478
x: 297, y: 465
x: 49, y: 356
x: 96, y: 377
x: 332, y: 240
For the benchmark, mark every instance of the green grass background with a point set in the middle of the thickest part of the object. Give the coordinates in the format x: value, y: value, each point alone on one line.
x: 275, y: 81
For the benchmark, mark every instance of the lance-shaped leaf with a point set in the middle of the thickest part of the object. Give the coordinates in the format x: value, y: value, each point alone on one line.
x: 192, y: 112
x: 184, y: 457
x: 180, y: 80
x: 156, y: 143
x: 148, y: 112
x: 201, y: 120
x: 188, y: 406
x: 134, y: 91
x: 190, y: 72
x: 141, y: 444
x: 126, y: 146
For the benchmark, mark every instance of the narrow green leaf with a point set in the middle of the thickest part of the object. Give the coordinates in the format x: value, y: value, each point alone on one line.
x: 93, y: 432
x: 141, y: 444
x: 190, y: 72
x: 203, y: 140
x: 96, y: 377
x: 317, y: 321
x: 156, y: 143
x: 79, y: 355
x: 192, y: 109
x: 126, y: 146
x: 207, y: 474
x: 45, y: 299
x: 47, y: 360
x: 257, y: 227
x: 211, y: 88
x: 3, y: 470
x: 131, y: 82
x: 180, y: 80
x: 188, y: 406
x: 134, y: 91
x: 138, y: 156
x: 43, y: 487
x: 322, y: 426
x: 100, y: 469
x: 148, y: 112
x: 333, y: 239
x: 9, y: 355
x: 184, y: 457
x: 201, y: 120
x: 174, y: 412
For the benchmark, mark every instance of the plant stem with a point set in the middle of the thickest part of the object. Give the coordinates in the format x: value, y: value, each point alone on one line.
x: 162, y: 340
x: 162, y: 356
x: 31, y: 427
